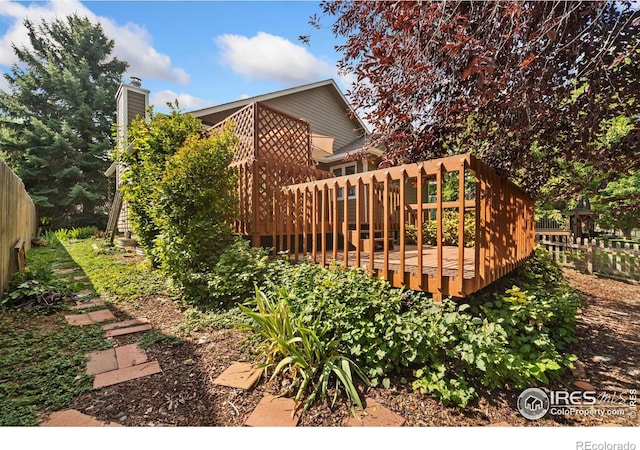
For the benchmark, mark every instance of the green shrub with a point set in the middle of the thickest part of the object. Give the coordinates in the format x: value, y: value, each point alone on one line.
x: 516, y: 339
x: 153, y: 143
x: 239, y: 267
x: 449, y: 230
x: 197, y: 199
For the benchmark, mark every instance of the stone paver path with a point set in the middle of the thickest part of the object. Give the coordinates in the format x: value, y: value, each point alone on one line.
x: 82, y: 304
x: 128, y: 362
x: 128, y: 330
x: 109, y: 367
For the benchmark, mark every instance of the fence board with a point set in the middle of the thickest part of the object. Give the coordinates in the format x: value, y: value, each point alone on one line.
x: 17, y: 221
x: 594, y: 256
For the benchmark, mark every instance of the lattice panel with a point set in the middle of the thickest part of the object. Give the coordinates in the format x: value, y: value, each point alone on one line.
x: 244, y: 129
x: 282, y: 137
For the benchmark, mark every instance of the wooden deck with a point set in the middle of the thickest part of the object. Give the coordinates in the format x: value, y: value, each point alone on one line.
x: 429, y: 261
x: 285, y: 203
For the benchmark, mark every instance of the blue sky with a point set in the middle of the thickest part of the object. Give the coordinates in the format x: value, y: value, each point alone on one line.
x: 200, y: 52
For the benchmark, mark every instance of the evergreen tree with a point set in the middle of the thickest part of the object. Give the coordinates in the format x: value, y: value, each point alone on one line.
x: 56, y: 120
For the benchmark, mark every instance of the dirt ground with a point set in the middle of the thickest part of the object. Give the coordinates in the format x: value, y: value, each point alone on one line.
x: 184, y: 395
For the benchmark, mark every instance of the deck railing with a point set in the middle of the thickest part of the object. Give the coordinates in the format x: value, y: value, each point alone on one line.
x: 259, y: 180
x: 335, y: 219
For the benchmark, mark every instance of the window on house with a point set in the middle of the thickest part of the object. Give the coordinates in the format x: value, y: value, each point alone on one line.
x: 347, y: 169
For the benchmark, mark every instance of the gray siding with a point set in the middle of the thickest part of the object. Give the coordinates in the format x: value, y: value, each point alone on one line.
x: 321, y: 108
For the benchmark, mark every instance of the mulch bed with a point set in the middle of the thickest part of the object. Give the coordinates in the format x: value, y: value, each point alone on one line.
x: 184, y: 395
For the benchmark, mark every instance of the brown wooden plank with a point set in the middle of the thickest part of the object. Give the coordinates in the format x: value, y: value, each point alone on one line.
x: 419, y: 223
x: 359, y: 201
x: 439, y: 173
x: 314, y: 221
x: 403, y: 200
x: 371, y: 219
x: 386, y: 225
x: 334, y: 240
x: 345, y: 222
x: 461, y: 212
x: 325, y: 213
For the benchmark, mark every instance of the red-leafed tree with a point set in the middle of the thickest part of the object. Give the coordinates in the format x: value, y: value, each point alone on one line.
x: 531, y: 87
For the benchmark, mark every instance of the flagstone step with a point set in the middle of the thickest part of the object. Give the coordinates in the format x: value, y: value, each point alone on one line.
x: 64, y: 271
x: 115, y: 358
x: 128, y: 330
x: 101, y: 361
x: 130, y: 355
x: 126, y: 374
x: 375, y: 415
x: 125, y: 324
x: 74, y: 418
x: 90, y: 318
x: 274, y: 412
x: 239, y: 375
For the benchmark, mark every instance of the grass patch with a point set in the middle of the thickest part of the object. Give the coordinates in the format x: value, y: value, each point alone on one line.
x: 117, y: 276
x: 42, y: 362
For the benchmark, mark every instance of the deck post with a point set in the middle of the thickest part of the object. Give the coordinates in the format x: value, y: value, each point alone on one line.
x: 323, y: 224
x: 386, y: 225
x: 419, y: 225
x: 372, y: 184
x: 345, y: 222
x: 461, y: 212
x: 359, y: 197
x: 334, y: 241
x: 314, y: 222
x: 402, y: 202
x: 439, y: 229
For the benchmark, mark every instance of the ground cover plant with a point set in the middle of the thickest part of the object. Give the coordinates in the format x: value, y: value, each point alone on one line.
x: 114, y: 280
x: 517, y: 338
x: 42, y: 362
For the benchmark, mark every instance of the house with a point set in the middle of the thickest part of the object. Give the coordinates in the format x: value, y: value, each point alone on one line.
x: 308, y: 186
x: 338, y: 135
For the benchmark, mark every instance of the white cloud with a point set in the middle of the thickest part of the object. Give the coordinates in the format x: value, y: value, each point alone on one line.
x: 187, y: 102
x: 273, y: 58
x: 133, y: 43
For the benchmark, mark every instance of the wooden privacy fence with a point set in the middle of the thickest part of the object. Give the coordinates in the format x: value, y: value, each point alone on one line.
x: 594, y: 256
x: 17, y: 223
x: 336, y: 219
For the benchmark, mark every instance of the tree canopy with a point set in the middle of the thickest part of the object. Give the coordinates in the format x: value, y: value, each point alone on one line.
x: 531, y: 87
x: 56, y: 120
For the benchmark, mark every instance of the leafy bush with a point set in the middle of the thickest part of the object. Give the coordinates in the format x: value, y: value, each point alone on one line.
x: 196, y: 201
x: 449, y: 230
x: 154, y: 142
x: 239, y: 267
x: 516, y: 339
x: 34, y: 289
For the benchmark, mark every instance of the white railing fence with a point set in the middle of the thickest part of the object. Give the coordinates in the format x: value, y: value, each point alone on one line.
x: 615, y: 259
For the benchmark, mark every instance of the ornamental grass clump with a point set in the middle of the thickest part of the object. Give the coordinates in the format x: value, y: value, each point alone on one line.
x: 304, y: 354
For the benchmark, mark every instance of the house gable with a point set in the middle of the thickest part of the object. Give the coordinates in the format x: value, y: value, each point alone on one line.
x: 322, y: 104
